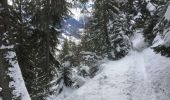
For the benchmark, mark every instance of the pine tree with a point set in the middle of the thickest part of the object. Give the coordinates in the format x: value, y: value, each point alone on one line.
x: 104, y: 26
x: 64, y: 54
x: 153, y: 20
x: 119, y: 38
x: 5, y: 42
x: 36, y: 25
x: 68, y: 60
x: 159, y: 29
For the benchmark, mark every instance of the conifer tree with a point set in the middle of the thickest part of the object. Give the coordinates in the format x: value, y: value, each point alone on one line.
x: 5, y: 43
x: 36, y: 26
x: 104, y: 26
x: 160, y: 28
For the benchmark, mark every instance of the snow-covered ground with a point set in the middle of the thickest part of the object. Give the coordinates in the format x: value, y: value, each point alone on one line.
x: 141, y: 75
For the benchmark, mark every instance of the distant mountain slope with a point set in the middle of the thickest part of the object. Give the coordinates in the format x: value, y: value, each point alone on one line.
x: 71, y: 27
x: 75, y: 23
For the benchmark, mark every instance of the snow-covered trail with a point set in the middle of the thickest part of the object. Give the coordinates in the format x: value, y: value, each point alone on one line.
x: 131, y: 78
x: 141, y: 75
x: 141, y: 87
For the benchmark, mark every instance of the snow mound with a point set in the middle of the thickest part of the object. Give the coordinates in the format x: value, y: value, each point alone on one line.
x: 138, y: 41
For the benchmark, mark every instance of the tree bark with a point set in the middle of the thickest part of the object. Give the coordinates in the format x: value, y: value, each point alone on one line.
x: 6, y: 92
x: 47, y: 33
x: 105, y: 30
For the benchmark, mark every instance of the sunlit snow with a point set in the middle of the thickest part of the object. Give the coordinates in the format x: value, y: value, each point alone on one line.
x: 167, y: 14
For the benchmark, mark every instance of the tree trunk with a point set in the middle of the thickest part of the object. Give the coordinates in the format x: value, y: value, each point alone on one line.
x: 105, y: 30
x: 47, y: 33
x: 6, y: 92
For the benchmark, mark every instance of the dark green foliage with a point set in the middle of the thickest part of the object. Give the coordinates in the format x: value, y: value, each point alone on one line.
x: 65, y: 52
x: 121, y: 46
x: 97, y: 32
x: 160, y: 30
x: 165, y: 51
x: 35, y: 26
x: 69, y: 58
x: 108, y: 23
x: 67, y: 73
x: 150, y: 30
x: 5, y: 46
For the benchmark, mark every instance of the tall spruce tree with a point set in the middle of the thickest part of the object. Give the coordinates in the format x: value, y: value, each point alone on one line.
x: 36, y: 25
x: 161, y: 29
x: 104, y: 26
x: 5, y: 42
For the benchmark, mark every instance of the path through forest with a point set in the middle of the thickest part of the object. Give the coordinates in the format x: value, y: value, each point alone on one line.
x: 138, y: 76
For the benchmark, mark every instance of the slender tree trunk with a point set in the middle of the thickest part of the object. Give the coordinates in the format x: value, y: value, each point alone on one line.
x: 105, y: 30
x: 21, y: 22
x: 47, y: 33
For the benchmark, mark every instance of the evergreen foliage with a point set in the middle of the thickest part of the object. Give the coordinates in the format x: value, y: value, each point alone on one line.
x: 161, y: 29
x: 35, y: 26
x: 31, y: 28
x: 106, y: 26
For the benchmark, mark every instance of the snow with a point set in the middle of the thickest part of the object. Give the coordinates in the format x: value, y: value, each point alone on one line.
x: 140, y: 75
x: 158, y: 40
x: 138, y: 41
x: 71, y: 38
x: 0, y: 89
x: 66, y: 92
x: 167, y: 39
x: 85, y: 68
x: 164, y: 39
x: 139, y: 15
x: 10, y: 2
x: 66, y: 64
x: 18, y: 83
x: 136, y: 75
x: 6, y: 47
x: 151, y: 8
x: 76, y: 13
x: 167, y: 14
x: 147, y: 0
x: 78, y: 81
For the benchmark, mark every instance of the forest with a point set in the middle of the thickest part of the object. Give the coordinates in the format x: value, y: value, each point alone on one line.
x: 84, y: 50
